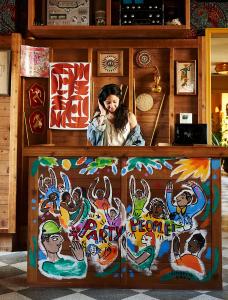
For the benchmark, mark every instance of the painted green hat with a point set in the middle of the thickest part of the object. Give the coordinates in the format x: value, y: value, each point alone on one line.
x: 50, y: 227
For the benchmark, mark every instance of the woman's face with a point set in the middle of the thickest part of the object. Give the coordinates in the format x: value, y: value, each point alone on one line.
x: 111, y: 103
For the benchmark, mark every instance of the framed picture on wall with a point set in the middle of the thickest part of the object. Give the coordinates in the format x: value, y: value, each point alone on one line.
x: 5, y: 72
x: 185, y: 118
x: 110, y: 63
x: 185, y: 75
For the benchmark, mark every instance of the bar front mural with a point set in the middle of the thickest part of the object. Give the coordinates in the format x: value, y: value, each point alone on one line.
x: 137, y: 222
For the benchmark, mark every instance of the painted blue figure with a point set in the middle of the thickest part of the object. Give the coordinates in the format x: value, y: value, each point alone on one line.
x: 182, y: 208
x: 51, y: 191
x: 92, y: 250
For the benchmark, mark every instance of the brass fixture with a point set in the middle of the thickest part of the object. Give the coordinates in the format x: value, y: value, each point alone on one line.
x: 157, y: 77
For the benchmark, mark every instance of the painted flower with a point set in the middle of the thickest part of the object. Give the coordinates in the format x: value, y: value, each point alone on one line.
x: 193, y: 167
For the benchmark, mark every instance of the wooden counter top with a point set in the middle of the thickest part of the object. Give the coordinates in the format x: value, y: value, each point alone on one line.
x: 156, y: 151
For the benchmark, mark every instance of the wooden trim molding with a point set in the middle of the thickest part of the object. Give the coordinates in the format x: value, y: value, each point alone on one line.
x: 155, y: 151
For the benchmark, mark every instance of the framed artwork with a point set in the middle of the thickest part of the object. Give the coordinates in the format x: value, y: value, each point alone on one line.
x: 34, y: 61
x: 5, y: 72
x: 185, y: 118
x: 110, y: 63
x: 186, y: 77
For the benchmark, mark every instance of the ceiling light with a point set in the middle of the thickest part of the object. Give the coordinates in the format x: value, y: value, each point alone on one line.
x: 222, y: 68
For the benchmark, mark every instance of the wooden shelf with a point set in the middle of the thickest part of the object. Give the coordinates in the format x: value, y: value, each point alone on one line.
x: 110, y: 30
x: 113, y: 32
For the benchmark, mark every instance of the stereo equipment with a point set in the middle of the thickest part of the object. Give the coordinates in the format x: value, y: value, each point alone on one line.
x: 142, y: 12
x: 190, y: 134
x: 67, y: 12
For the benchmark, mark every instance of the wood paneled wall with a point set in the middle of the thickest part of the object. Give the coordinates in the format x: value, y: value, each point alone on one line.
x: 9, y: 107
x: 164, y: 54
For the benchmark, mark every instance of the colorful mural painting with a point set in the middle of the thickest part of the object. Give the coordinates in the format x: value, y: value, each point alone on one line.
x: 124, y: 218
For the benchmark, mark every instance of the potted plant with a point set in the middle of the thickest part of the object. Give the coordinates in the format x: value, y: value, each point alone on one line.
x: 220, y: 138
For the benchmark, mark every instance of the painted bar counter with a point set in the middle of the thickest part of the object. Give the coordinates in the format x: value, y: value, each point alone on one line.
x: 126, y: 217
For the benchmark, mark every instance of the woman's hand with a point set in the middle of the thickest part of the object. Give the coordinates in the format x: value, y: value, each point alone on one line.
x: 132, y: 120
x: 102, y: 110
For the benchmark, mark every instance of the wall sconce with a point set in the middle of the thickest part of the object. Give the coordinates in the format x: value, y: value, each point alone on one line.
x: 222, y: 68
x: 157, y: 77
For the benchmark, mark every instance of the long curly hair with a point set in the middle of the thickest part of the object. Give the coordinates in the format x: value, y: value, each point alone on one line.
x: 121, y: 113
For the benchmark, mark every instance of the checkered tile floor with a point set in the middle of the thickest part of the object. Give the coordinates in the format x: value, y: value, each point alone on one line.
x: 13, y: 285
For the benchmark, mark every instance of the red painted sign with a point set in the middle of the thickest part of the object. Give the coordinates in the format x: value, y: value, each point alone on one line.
x: 37, y: 121
x: 36, y: 95
x: 69, y: 95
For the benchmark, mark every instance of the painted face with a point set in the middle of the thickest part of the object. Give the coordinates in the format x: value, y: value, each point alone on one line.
x: 111, y: 103
x: 146, y: 240
x: 61, y: 188
x: 100, y: 194
x: 157, y: 210
x: 54, y: 243
x: 76, y: 199
x: 47, y: 181
x: 113, y: 214
x: 193, y: 245
x: 53, y: 196
x: 66, y: 197
x: 139, y: 194
x: 182, y: 201
x: 93, y: 250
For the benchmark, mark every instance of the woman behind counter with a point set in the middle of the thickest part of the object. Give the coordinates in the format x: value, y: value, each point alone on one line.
x: 112, y: 123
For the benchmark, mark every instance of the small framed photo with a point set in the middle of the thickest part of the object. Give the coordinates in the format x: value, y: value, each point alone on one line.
x: 185, y: 118
x: 110, y: 63
x: 186, y: 77
x: 5, y: 72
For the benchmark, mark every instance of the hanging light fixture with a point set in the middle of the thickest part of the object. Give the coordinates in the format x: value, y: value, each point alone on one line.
x: 222, y: 68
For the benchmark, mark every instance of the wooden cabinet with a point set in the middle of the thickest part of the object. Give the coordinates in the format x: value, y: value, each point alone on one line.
x: 165, y: 43
x: 81, y: 43
x: 163, y: 54
x: 37, y: 22
x: 144, y: 199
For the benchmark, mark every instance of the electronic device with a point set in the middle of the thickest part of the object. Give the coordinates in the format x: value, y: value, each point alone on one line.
x: 142, y: 12
x: 67, y: 12
x: 190, y: 134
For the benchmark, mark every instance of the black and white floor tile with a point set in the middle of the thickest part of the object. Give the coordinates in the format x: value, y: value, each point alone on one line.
x: 13, y: 284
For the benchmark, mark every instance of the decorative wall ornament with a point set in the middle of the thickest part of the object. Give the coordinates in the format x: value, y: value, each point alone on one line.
x: 206, y: 14
x: 34, y: 61
x: 7, y: 16
x: 37, y: 121
x: 36, y: 95
x: 69, y: 95
x: 110, y: 63
x: 157, y: 78
x: 143, y: 58
x: 144, y: 102
x: 186, y: 77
